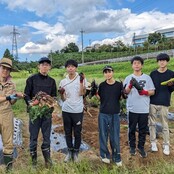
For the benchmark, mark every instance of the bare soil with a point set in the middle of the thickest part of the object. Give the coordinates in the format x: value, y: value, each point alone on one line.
x: 90, y: 136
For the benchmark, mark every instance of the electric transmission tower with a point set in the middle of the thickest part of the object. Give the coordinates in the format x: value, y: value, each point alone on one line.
x: 14, y: 44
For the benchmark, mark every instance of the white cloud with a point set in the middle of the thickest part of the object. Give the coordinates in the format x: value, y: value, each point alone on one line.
x: 49, y: 38
x: 50, y: 7
x: 142, y: 24
x: 45, y: 28
x: 90, y: 15
x: 7, y: 35
x: 57, y: 43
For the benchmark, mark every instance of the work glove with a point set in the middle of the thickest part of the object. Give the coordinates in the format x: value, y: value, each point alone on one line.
x: 61, y: 90
x: 12, y: 97
x: 94, y: 89
x: 136, y: 84
x: 82, y: 76
x: 130, y: 84
x: 123, y: 91
x: 143, y: 92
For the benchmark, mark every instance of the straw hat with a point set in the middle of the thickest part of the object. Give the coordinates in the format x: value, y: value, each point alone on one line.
x: 7, y: 63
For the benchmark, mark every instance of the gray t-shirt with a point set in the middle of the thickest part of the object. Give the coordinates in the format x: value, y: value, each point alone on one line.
x: 139, y: 103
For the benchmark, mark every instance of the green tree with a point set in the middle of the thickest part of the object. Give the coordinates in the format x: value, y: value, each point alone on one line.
x: 120, y: 46
x: 105, y: 48
x: 154, y: 38
x: 70, y: 48
x: 7, y: 54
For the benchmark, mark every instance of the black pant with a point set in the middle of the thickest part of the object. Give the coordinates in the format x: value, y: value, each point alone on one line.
x: 141, y: 120
x: 73, y: 122
x: 44, y: 124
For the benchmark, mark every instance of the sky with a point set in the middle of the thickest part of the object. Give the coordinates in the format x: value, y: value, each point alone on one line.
x: 43, y: 26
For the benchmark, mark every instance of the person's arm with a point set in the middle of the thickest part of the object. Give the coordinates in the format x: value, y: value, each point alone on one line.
x: 54, y: 89
x: 61, y: 91
x: 11, y: 98
x: 147, y: 92
x: 151, y: 92
x: 82, y: 84
x: 2, y: 99
x: 28, y: 91
x: 129, y: 87
x: 98, y: 92
x: 82, y: 89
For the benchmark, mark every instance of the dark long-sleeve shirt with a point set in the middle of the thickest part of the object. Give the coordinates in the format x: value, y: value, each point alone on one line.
x: 162, y: 92
x: 39, y: 82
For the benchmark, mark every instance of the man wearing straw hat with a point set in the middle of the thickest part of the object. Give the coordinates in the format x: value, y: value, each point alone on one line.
x: 8, y: 96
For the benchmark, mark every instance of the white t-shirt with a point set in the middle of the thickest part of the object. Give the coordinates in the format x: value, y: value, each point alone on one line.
x: 73, y: 102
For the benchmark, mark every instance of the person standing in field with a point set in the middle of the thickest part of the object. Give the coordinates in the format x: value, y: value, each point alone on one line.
x: 34, y: 84
x: 8, y: 97
x: 160, y: 102
x: 109, y: 93
x: 72, y: 89
x: 139, y: 88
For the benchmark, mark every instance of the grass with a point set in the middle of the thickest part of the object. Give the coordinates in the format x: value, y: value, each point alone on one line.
x: 86, y: 166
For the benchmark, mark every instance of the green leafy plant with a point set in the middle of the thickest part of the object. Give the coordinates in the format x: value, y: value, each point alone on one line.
x: 39, y: 112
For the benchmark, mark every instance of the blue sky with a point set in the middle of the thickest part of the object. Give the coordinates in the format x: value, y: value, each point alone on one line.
x: 46, y: 25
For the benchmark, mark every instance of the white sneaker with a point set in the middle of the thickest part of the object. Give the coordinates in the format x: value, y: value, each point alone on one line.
x: 119, y: 164
x: 154, y: 147
x: 106, y: 160
x: 166, y: 150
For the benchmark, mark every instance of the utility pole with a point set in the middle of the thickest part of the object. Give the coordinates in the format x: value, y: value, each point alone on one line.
x: 82, y: 31
x: 51, y: 58
x: 89, y: 42
x: 14, y: 44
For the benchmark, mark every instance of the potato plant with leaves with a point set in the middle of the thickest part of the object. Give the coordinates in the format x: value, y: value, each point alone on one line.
x: 43, y: 105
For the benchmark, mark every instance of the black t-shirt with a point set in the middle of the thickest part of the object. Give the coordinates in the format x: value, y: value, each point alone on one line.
x: 162, y: 92
x: 109, y: 97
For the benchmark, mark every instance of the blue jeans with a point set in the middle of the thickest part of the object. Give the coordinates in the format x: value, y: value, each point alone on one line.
x: 109, y: 127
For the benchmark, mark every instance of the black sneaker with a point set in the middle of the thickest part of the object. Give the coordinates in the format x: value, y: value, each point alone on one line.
x: 142, y: 152
x: 132, y: 151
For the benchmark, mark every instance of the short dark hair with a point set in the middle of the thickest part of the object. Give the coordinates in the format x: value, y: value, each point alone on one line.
x: 163, y: 56
x: 137, y: 58
x: 71, y: 62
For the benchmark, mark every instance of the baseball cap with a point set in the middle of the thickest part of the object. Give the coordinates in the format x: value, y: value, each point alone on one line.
x: 108, y: 67
x: 44, y: 59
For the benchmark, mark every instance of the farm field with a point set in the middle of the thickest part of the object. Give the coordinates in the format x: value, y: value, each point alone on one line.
x: 155, y: 163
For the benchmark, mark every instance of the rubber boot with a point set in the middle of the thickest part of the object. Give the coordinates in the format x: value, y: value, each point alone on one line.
x: 46, y: 155
x: 69, y: 155
x: 76, y: 155
x: 8, y: 160
x: 33, y: 155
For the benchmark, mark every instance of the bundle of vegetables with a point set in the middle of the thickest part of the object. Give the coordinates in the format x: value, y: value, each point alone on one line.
x: 43, y: 104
